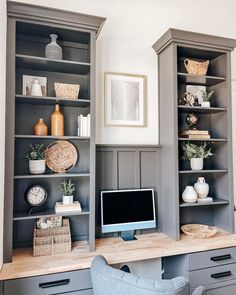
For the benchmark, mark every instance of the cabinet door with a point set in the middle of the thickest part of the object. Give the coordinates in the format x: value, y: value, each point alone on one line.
x: 227, y: 290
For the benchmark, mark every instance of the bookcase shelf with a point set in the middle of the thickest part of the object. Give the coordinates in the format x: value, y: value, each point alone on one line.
x: 216, y: 201
x: 209, y: 140
x: 86, y: 138
x: 52, y: 175
x: 200, y: 110
x: 199, y: 80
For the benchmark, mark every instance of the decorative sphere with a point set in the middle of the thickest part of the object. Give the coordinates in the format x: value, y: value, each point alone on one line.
x: 191, y: 119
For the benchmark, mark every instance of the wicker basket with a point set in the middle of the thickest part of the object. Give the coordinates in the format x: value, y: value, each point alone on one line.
x: 69, y: 91
x: 50, y: 241
x: 196, y: 67
x: 198, y: 231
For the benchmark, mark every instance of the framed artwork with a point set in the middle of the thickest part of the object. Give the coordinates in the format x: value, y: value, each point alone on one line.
x: 28, y: 81
x: 125, y: 100
x: 196, y: 90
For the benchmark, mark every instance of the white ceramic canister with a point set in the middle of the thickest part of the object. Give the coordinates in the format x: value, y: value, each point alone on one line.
x: 202, y: 188
x: 189, y: 195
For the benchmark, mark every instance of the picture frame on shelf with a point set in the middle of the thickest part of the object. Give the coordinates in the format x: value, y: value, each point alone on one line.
x: 125, y: 100
x: 196, y: 91
x: 28, y: 82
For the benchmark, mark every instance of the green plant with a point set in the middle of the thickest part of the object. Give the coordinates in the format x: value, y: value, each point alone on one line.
x: 207, y: 95
x: 67, y: 187
x: 36, y: 153
x: 192, y: 150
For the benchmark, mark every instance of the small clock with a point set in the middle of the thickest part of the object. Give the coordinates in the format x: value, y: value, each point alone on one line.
x: 35, y: 196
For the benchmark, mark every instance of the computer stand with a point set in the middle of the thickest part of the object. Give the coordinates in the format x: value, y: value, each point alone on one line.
x: 128, y: 235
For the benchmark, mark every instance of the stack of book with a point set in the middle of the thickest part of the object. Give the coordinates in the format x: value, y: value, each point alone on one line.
x: 60, y: 207
x: 195, y: 134
x: 84, y: 125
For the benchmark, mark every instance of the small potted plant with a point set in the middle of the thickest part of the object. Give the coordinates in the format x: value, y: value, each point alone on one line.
x: 36, y: 159
x: 196, y: 153
x: 67, y: 188
x: 206, y: 96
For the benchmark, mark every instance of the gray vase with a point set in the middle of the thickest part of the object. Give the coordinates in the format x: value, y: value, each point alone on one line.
x: 53, y: 50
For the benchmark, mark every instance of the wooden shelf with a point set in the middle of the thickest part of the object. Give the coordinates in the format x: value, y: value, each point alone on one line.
x: 47, y: 100
x: 203, y: 171
x: 200, y: 110
x: 52, y: 175
x: 22, y: 215
x: 51, y: 65
x: 199, y: 80
x: 198, y: 139
x: 216, y: 201
x: 52, y: 137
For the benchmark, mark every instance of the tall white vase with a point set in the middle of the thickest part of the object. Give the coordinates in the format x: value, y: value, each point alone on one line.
x: 53, y: 50
x: 202, y: 188
x: 196, y: 163
x: 189, y: 195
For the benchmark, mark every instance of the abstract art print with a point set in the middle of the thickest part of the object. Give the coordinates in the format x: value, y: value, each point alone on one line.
x: 125, y: 99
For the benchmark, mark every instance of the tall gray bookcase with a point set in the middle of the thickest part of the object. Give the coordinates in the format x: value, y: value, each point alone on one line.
x: 172, y: 48
x: 28, y: 31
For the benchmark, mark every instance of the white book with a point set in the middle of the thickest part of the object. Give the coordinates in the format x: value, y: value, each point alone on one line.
x: 84, y: 126
x: 88, y: 125
x: 80, y: 125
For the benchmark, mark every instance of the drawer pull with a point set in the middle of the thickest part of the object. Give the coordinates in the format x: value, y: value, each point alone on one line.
x: 221, y: 257
x: 221, y: 274
x: 54, y: 284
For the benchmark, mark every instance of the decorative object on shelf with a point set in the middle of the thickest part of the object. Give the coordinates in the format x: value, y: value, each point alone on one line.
x: 40, y: 128
x: 196, y: 153
x: 35, y: 89
x: 53, y: 50
x: 84, y: 125
x: 57, y: 122
x: 125, y: 97
x: 195, y: 134
x: 35, y: 196
x: 194, y: 67
x: 196, y: 91
x: 53, y: 240
x: 60, y: 207
x: 199, y: 231
x: 187, y: 99
x: 202, y: 188
x: 61, y: 156
x: 36, y: 159
x: 67, y: 188
x: 49, y: 222
x: 192, y: 120
x: 69, y: 91
x: 189, y: 195
x: 206, y: 98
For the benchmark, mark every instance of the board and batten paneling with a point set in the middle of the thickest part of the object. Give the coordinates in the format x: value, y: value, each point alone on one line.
x: 234, y: 138
x: 127, y: 167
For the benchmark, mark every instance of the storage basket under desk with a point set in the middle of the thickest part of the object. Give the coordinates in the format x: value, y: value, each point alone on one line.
x: 50, y: 241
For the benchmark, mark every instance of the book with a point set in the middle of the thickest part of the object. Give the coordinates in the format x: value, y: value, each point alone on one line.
x: 194, y: 131
x: 84, y: 125
x: 197, y: 136
x: 206, y: 200
x: 60, y: 207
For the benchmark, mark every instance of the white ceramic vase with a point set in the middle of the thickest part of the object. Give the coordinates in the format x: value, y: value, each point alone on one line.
x: 53, y: 50
x: 37, y: 166
x: 189, y: 195
x: 68, y: 200
x: 202, y: 188
x: 196, y: 163
x: 205, y: 104
x: 36, y: 89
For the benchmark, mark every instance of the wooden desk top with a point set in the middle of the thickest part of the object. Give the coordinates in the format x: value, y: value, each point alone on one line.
x: 147, y: 246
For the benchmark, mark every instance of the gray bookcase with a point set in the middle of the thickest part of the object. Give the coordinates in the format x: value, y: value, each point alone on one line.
x: 172, y: 48
x: 29, y: 28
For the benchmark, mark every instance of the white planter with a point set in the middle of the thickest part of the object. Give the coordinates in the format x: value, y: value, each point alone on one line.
x: 205, y: 104
x: 37, y: 166
x: 68, y: 200
x: 202, y: 188
x: 196, y: 163
x: 189, y: 195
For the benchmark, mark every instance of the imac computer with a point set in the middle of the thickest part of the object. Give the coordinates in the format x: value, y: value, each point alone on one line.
x: 127, y: 210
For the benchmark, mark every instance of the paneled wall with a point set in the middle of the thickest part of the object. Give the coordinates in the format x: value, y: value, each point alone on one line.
x: 127, y: 167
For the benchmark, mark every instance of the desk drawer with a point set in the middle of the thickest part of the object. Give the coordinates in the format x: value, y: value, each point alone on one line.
x: 49, y: 284
x: 211, y: 258
x: 212, y: 275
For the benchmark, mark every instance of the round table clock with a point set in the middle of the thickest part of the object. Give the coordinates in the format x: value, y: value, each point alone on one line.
x: 35, y: 196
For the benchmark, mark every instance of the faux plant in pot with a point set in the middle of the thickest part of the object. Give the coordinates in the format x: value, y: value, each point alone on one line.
x: 36, y: 159
x: 67, y: 187
x: 195, y: 154
x: 206, y: 96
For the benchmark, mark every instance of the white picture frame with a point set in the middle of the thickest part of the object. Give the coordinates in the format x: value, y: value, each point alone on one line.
x: 28, y: 81
x: 125, y: 100
x: 196, y: 90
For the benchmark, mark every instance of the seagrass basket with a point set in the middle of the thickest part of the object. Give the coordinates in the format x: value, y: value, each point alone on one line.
x: 194, y: 67
x: 66, y: 91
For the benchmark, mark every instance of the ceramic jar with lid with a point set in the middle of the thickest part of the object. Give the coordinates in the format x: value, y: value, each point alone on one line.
x: 201, y: 187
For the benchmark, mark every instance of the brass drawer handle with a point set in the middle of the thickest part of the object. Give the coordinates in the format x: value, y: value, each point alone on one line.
x: 221, y: 274
x: 54, y: 284
x: 221, y: 257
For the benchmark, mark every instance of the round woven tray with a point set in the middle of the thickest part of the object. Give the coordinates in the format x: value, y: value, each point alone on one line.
x: 61, y: 156
x: 199, y: 231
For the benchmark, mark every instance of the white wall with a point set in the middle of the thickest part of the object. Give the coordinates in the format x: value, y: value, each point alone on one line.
x: 2, y: 112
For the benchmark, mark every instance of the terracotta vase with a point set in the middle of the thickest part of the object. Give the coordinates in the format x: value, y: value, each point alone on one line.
x: 57, y: 122
x: 40, y: 128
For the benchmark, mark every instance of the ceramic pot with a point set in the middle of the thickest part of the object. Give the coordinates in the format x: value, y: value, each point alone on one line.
x: 57, y: 122
x: 205, y: 104
x: 53, y: 50
x: 189, y: 195
x: 196, y: 163
x: 37, y: 166
x: 36, y: 89
x: 201, y: 187
x: 40, y: 128
x: 68, y: 200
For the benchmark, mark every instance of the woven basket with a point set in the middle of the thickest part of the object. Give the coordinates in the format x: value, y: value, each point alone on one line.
x: 198, y: 231
x: 50, y: 241
x: 196, y: 67
x: 69, y: 91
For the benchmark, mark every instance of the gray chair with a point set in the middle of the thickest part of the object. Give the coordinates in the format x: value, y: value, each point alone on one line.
x: 110, y: 281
